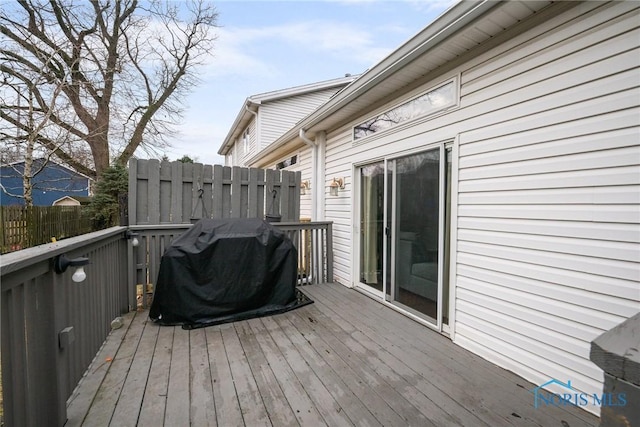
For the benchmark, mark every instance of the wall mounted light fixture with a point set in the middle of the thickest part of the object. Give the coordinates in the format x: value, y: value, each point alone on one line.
x: 336, y: 184
x: 133, y: 237
x: 304, y: 187
x: 61, y: 263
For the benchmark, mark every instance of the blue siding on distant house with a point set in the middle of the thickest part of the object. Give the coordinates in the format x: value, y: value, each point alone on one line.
x: 54, y: 182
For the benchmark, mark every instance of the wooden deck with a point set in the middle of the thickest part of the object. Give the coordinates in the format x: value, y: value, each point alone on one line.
x: 344, y: 360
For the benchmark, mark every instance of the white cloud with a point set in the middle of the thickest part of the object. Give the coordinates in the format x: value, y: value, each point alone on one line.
x: 230, y: 56
x: 235, y: 51
x: 432, y: 5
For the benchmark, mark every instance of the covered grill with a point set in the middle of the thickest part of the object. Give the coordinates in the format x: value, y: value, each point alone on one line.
x: 226, y: 270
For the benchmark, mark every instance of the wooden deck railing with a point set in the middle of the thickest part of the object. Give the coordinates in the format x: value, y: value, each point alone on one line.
x: 313, y: 240
x: 52, y: 327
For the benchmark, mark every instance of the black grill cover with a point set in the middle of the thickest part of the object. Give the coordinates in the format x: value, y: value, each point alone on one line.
x: 225, y: 270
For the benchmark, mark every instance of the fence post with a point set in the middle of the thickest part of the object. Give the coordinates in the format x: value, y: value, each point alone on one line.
x: 170, y: 194
x: 133, y: 191
x: 330, y: 252
x: 3, y: 234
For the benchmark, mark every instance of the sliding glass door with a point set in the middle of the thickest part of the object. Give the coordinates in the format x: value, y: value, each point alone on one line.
x: 415, y: 201
x: 404, y: 218
x: 372, y: 225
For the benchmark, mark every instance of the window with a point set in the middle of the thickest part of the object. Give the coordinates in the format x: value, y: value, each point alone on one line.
x: 434, y: 100
x: 287, y: 162
x: 245, y: 141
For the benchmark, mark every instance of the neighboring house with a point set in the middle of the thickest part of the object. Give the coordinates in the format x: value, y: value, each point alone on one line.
x: 488, y: 180
x: 265, y: 117
x: 66, y: 201
x: 55, y: 184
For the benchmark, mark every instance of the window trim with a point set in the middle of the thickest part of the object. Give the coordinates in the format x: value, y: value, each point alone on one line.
x: 246, y: 141
x: 455, y: 102
x: 293, y: 160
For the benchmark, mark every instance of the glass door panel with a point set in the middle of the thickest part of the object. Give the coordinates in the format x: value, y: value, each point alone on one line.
x: 447, y: 237
x: 404, y: 231
x: 415, y: 202
x: 372, y: 225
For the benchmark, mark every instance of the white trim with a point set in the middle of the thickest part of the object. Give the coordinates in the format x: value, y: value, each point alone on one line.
x: 385, y: 242
x: 301, y: 90
x: 321, y: 152
x: 257, y: 100
x: 357, y: 230
x: 55, y: 202
x: 246, y: 143
x: 453, y: 236
x: 46, y: 163
x: 455, y: 81
x: 440, y: 145
x: 356, y: 226
x: 419, y: 149
x: 395, y: 307
x: 442, y: 222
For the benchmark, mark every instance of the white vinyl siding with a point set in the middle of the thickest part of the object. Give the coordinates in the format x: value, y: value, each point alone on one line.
x: 549, y: 196
x: 239, y: 147
x: 303, y: 165
x: 277, y: 117
x: 339, y: 155
x: 548, y: 191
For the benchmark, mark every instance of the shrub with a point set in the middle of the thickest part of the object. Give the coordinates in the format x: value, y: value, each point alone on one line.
x: 104, y: 208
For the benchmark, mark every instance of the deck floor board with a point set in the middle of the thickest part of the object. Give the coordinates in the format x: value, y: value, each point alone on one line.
x: 178, y: 392
x: 155, y: 396
x: 228, y: 411
x: 456, y: 372
x: 202, y: 410
x: 344, y: 360
x: 275, y: 401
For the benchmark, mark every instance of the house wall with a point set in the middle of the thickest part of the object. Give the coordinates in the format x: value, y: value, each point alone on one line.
x: 277, y: 117
x: 52, y: 183
x: 304, y: 166
x: 239, y: 155
x: 545, y: 251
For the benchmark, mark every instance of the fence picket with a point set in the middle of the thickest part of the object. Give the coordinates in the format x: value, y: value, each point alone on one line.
x: 24, y: 227
x: 165, y: 192
x: 168, y: 192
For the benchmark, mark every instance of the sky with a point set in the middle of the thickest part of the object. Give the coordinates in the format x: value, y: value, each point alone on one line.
x: 269, y: 45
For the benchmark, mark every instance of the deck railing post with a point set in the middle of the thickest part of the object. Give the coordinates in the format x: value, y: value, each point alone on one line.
x: 52, y: 327
x: 330, y: 252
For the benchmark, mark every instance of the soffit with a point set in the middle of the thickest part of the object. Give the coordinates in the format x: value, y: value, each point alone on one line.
x: 447, y: 39
x: 495, y: 21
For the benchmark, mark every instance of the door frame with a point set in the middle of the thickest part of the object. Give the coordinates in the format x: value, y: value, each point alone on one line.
x: 452, y: 143
x: 355, y: 221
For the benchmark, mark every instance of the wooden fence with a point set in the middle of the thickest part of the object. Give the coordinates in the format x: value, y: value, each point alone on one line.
x: 179, y: 193
x: 24, y: 227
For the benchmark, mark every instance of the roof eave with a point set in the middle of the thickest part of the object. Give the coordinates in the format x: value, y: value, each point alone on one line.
x: 242, y: 117
x: 255, y: 100
x: 452, y: 20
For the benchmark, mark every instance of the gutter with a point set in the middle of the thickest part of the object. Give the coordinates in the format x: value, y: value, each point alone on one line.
x: 306, y: 140
x: 441, y: 31
x: 315, y: 174
x: 246, y: 107
x: 455, y: 18
x: 229, y: 139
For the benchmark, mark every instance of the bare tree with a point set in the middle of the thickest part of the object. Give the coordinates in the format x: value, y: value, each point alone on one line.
x: 121, y: 67
x: 23, y: 144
